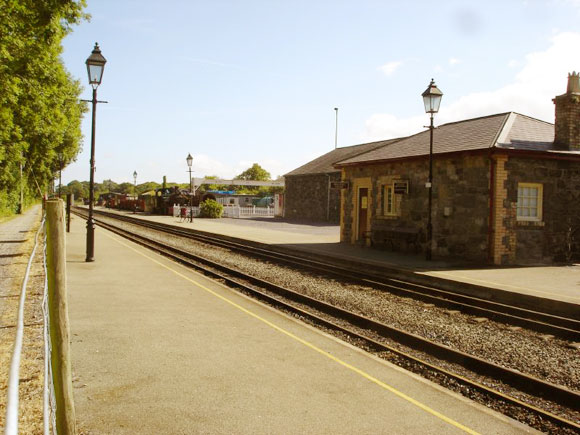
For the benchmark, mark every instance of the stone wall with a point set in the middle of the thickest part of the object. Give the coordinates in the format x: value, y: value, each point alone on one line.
x: 557, y: 237
x: 460, y: 203
x: 306, y: 198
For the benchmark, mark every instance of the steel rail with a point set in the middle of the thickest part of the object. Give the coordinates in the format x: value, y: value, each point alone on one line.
x: 563, y: 327
x: 523, y: 382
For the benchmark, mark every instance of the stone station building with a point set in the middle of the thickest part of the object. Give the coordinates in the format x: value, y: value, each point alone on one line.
x: 506, y: 189
x: 311, y: 192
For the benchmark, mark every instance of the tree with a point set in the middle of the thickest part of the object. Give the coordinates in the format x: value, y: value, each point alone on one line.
x: 77, y: 189
x: 147, y: 187
x: 256, y: 173
x: 110, y: 186
x: 214, y: 186
x: 127, y: 188
x: 40, y: 111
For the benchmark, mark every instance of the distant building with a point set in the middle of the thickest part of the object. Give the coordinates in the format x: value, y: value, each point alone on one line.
x: 231, y: 198
x: 506, y: 189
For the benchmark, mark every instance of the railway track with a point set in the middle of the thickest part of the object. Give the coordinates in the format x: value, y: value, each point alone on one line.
x: 372, y: 334
x: 561, y: 326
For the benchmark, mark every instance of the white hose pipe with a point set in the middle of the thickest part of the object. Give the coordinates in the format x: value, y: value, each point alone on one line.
x: 11, y: 427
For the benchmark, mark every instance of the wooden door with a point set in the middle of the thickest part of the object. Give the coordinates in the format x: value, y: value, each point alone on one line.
x: 363, y: 206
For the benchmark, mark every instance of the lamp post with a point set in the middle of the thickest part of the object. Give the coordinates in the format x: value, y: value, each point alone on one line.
x: 432, y: 100
x: 135, y: 190
x: 189, y: 160
x: 95, y: 66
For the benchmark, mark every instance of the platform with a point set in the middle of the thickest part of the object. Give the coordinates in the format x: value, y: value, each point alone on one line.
x: 558, y: 283
x: 157, y: 348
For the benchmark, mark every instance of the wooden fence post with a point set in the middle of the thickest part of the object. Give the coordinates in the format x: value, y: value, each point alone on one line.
x: 58, y: 317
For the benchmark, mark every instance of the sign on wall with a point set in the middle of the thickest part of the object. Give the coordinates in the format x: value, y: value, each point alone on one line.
x: 401, y: 187
x: 339, y: 184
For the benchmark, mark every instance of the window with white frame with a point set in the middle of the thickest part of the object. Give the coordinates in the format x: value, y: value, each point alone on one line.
x: 529, y: 205
x: 389, y: 201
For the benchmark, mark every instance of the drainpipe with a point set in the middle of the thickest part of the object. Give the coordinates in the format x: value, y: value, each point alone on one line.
x: 328, y: 199
x: 491, y: 223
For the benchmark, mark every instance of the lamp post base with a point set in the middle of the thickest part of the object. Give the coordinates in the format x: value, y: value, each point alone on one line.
x: 429, y: 253
x: 90, y: 240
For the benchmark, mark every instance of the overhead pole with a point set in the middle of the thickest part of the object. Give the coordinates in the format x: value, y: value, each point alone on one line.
x: 336, y: 128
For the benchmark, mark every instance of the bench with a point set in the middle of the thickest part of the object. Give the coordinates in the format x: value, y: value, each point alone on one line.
x: 394, y: 236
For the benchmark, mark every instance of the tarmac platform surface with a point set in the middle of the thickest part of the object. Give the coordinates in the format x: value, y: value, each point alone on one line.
x: 559, y: 283
x: 158, y: 348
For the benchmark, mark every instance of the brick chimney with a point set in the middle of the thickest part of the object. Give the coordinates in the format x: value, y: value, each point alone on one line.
x: 567, y: 128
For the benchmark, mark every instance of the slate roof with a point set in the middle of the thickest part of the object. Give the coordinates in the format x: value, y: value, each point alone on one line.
x: 324, y: 164
x: 527, y: 133
x: 505, y: 130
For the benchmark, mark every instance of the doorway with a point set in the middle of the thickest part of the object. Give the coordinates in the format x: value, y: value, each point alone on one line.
x: 363, y: 206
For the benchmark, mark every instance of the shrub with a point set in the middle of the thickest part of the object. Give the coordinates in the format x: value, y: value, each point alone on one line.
x: 210, y: 209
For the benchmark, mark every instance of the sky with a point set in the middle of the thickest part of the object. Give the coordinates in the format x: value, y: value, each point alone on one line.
x: 247, y: 81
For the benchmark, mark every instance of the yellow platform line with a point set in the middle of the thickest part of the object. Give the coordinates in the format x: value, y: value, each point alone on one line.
x: 308, y: 344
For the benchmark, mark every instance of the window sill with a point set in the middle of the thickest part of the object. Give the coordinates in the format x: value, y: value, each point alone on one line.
x: 531, y: 224
x: 388, y: 217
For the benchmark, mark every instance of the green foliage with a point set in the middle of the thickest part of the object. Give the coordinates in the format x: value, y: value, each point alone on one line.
x: 147, y: 187
x: 214, y: 186
x: 211, y: 209
x: 126, y: 188
x: 256, y: 172
x: 78, y: 189
x: 40, y: 111
x: 81, y: 189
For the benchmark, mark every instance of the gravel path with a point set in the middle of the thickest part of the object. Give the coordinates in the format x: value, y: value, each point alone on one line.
x: 16, y: 244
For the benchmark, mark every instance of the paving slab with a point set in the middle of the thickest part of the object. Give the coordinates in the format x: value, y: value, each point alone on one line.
x: 157, y: 348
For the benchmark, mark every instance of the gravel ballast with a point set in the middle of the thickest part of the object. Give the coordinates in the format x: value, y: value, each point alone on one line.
x: 549, y: 359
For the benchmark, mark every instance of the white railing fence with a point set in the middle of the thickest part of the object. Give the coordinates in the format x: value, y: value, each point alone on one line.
x: 231, y: 211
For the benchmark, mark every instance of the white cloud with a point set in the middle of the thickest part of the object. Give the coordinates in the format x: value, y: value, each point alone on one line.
x: 391, y: 67
x: 513, y: 63
x: 454, y: 61
x: 542, y: 77
x: 573, y: 3
x: 385, y: 126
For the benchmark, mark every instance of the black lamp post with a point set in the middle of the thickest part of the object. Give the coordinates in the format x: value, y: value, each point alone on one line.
x: 432, y: 99
x: 135, y: 190
x: 189, y: 160
x: 95, y: 66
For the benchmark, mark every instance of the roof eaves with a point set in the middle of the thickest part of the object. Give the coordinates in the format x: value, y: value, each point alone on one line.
x: 334, y: 171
